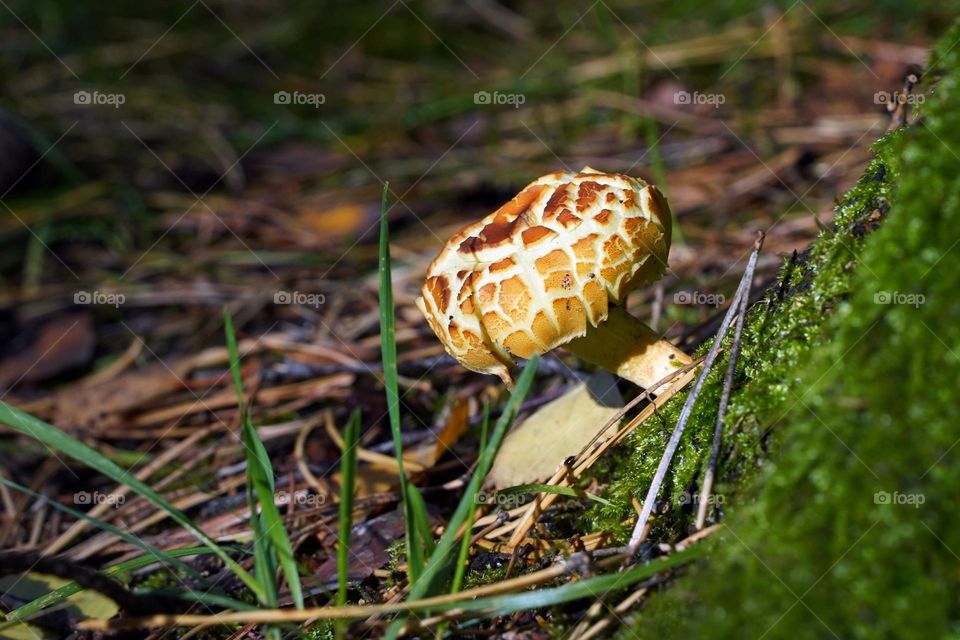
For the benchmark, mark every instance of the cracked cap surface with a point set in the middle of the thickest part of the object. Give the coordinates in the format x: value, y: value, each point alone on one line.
x: 529, y: 277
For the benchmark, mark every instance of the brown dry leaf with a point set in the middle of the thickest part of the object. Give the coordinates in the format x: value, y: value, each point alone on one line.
x: 533, y: 451
x: 369, y: 545
x: 58, y: 345
x: 89, y: 406
x: 428, y: 454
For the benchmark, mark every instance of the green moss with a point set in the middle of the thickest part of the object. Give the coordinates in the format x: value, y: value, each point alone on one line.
x: 486, y: 575
x: 852, y: 528
x: 161, y: 579
x: 323, y: 630
x: 789, y: 323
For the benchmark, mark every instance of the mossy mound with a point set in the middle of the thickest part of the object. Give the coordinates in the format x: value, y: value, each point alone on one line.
x: 852, y: 527
x: 779, y: 335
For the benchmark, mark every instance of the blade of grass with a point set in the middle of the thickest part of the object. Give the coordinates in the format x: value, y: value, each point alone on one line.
x: 58, y: 440
x: 388, y: 350
x: 260, y: 476
x: 27, y: 611
x: 460, y: 569
x: 160, y: 555
x: 264, y: 558
x: 348, y: 477
x: 468, y: 502
x: 422, y: 521
x: 494, y: 605
x: 209, y: 599
x: 593, y: 588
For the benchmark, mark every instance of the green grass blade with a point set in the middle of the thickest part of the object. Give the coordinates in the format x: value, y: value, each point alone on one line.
x: 464, y: 554
x: 468, y: 501
x: 422, y: 521
x: 260, y: 476
x: 24, y: 612
x: 444, y: 547
x: 388, y: 350
x: 160, y: 555
x: 348, y: 477
x: 209, y: 599
x: 460, y: 568
x: 59, y: 441
x: 264, y: 558
x: 593, y: 588
x: 537, y: 597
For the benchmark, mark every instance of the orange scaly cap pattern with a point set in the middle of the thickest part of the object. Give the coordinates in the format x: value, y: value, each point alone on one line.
x: 532, y: 274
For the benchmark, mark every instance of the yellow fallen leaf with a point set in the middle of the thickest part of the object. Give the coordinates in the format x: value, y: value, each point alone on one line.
x: 86, y: 604
x: 535, y: 449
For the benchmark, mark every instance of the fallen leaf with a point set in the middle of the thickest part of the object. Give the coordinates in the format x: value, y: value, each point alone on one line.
x: 86, y: 604
x: 429, y: 453
x: 58, y: 345
x: 536, y: 448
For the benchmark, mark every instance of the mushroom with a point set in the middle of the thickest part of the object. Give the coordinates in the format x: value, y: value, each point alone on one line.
x: 553, y: 267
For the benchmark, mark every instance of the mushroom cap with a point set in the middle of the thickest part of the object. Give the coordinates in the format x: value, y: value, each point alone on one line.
x: 531, y: 275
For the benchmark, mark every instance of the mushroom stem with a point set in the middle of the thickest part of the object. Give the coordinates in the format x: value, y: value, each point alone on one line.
x: 625, y: 346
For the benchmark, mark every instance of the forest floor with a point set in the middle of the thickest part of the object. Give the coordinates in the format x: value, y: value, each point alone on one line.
x: 156, y: 178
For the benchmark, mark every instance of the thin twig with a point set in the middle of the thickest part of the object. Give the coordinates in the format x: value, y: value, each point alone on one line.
x: 638, y: 532
x: 707, y: 488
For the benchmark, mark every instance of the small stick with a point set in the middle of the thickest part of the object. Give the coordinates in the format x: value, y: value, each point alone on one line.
x: 707, y: 488
x: 639, y: 532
